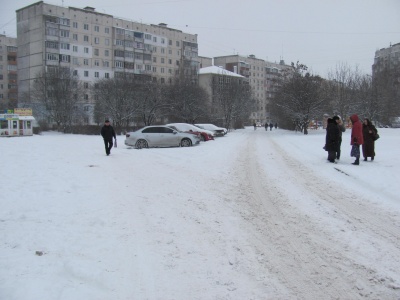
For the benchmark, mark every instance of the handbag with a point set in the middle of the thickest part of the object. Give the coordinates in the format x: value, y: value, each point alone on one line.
x: 375, y: 137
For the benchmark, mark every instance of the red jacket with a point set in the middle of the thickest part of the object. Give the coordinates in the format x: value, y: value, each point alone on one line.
x: 356, y: 131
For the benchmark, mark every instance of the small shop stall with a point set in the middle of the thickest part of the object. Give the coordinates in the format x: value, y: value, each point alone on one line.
x: 16, y: 125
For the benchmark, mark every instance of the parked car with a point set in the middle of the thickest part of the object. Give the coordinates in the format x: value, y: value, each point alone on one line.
x: 160, y: 136
x: 219, y: 131
x: 206, y: 135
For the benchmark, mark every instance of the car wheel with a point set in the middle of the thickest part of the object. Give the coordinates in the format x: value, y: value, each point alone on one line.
x: 186, y: 143
x: 141, y: 144
x: 203, y: 139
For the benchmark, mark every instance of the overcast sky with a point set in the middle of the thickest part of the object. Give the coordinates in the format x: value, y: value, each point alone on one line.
x: 318, y: 33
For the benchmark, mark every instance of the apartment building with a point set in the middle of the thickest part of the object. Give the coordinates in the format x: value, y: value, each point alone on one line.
x: 261, y: 75
x: 8, y: 73
x: 98, y: 45
x: 387, y: 59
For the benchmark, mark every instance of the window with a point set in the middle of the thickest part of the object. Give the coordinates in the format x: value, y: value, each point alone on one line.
x: 86, y: 85
x: 177, y: 44
x: 96, y: 74
x: 119, y: 31
x: 154, y: 39
x: 75, y: 24
x: 52, y: 56
x: 162, y: 60
x: 97, y: 63
x: 96, y: 52
x: 75, y: 36
x: 75, y: 48
x: 75, y: 61
x: 106, y: 52
x: 155, y: 69
x: 86, y: 97
x: 162, y: 50
x: 85, y: 61
x: 147, y: 36
x: 107, y: 30
x: 96, y: 28
x: 12, y: 67
x: 86, y: 49
x: 107, y: 42
x: 170, y: 42
x: 162, y: 41
x: 162, y: 70
x: 154, y: 59
x: 64, y: 21
x: 52, y: 31
x: 119, y: 42
x: 64, y: 46
x: 51, y: 45
x: 86, y: 26
x: 96, y: 40
x: 147, y: 67
x: 170, y: 61
x: 170, y: 71
x: 64, y: 33
x: 65, y: 58
x: 119, y: 64
x: 106, y: 64
x: 86, y: 38
x: 106, y: 75
x: 86, y: 73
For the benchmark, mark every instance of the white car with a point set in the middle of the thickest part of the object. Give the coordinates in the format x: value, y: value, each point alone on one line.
x: 160, y: 136
x: 219, y: 131
x: 205, y: 135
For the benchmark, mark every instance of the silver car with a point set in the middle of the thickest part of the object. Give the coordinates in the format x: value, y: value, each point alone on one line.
x: 160, y: 136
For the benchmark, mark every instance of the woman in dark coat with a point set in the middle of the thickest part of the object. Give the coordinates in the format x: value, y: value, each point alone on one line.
x: 332, y: 139
x: 369, y: 131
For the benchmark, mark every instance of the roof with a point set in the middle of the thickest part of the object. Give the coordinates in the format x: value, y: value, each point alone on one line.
x: 218, y: 71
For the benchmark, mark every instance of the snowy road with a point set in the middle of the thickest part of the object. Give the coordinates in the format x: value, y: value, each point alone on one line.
x: 313, y: 257
x: 253, y: 215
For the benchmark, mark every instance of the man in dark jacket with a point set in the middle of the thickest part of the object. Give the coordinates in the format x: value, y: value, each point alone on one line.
x: 342, y: 129
x: 108, y: 133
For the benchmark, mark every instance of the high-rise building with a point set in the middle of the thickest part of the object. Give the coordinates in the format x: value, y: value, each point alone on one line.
x: 261, y: 76
x: 8, y: 72
x: 97, y: 45
x: 387, y: 59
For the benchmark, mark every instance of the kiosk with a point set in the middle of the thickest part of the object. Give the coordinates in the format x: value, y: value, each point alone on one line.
x: 15, y: 125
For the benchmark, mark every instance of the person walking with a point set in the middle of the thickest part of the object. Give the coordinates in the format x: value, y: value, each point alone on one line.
x: 331, y: 139
x: 255, y: 125
x: 270, y: 126
x: 357, y: 138
x: 369, y: 132
x: 266, y: 126
x: 276, y: 125
x: 342, y: 129
x: 108, y: 133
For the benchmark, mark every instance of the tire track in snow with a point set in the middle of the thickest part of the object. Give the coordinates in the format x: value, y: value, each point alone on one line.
x: 305, y: 259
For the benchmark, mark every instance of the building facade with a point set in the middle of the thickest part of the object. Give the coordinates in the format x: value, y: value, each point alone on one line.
x: 8, y: 73
x: 261, y: 75
x: 97, y: 45
x: 387, y: 59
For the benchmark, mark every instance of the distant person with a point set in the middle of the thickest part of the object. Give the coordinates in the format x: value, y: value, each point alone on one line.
x: 266, y: 126
x: 255, y: 125
x: 357, y: 138
x: 342, y: 129
x: 331, y: 139
x: 108, y: 133
x: 271, y: 126
x: 369, y: 132
x: 276, y: 125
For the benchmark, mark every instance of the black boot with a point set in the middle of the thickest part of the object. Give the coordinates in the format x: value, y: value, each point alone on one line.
x: 365, y: 159
x: 357, y: 162
x: 372, y: 158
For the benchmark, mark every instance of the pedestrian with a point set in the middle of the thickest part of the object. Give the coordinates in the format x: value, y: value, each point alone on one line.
x: 266, y: 126
x: 255, y: 125
x: 331, y: 139
x: 270, y: 126
x: 108, y: 133
x: 276, y: 125
x: 356, y: 138
x: 369, y: 133
x: 342, y: 129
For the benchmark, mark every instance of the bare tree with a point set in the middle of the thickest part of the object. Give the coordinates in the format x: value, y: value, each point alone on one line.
x: 116, y: 99
x: 232, y: 100
x: 188, y: 100
x: 58, y: 92
x: 299, y: 98
x: 342, y: 85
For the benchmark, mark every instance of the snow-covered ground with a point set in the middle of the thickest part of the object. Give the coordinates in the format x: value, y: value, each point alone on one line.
x: 252, y: 215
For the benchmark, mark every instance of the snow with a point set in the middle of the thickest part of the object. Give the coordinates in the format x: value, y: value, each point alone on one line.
x: 219, y: 71
x: 253, y: 215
